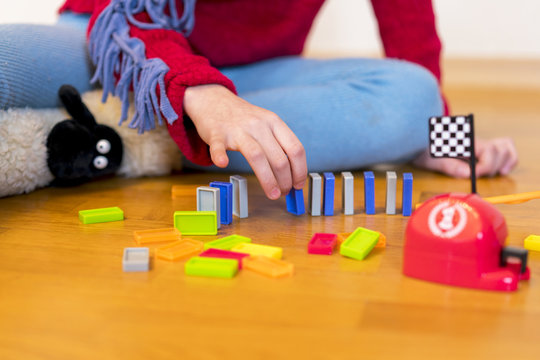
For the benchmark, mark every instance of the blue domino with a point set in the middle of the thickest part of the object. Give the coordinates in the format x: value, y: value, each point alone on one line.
x: 295, y: 202
x: 328, y: 193
x: 225, y: 200
x: 406, y: 203
x: 369, y: 192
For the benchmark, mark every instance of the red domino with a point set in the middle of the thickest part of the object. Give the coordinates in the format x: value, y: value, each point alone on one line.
x: 322, y: 243
x: 225, y: 254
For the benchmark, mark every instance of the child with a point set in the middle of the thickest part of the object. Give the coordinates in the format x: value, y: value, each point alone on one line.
x: 227, y: 75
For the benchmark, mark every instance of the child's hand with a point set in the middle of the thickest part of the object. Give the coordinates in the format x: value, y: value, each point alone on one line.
x: 494, y: 156
x: 226, y: 122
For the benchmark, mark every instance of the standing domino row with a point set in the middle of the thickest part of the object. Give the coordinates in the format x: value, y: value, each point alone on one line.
x: 325, y: 186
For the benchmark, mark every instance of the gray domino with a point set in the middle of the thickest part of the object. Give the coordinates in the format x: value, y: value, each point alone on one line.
x: 347, y: 193
x: 136, y: 259
x: 208, y: 199
x: 240, y: 196
x: 314, y: 194
x: 391, y: 183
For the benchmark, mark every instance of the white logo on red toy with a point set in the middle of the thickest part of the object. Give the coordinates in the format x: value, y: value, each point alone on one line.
x: 447, y: 220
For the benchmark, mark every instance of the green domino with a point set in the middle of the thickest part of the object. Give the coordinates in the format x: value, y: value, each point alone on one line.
x: 101, y: 215
x: 211, y: 267
x: 359, y: 244
x: 196, y: 222
x: 227, y: 242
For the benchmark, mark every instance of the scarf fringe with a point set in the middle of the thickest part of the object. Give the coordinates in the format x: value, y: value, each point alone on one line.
x: 114, y: 52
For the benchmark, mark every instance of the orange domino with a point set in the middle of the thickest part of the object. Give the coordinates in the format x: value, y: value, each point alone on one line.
x: 268, y: 266
x: 382, y: 241
x: 179, y: 249
x: 178, y: 191
x: 341, y: 237
x: 380, y: 244
x: 152, y: 236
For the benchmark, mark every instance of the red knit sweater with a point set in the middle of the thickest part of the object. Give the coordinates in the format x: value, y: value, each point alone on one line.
x: 235, y: 32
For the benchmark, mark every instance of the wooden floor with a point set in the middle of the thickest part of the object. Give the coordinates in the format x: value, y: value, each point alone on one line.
x: 63, y: 294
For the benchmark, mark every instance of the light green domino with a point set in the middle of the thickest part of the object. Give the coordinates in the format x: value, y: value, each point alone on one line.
x: 532, y: 242
x: 211, y: 267
x: 227, y: 242
x: 359, y: 244
x: 258, y: 249
x: 196, y: 222
x: 101, y: 215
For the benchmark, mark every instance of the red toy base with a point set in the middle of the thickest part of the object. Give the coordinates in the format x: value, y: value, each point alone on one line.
x: 458, y: 239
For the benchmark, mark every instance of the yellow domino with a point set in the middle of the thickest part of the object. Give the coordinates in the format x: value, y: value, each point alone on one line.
x: 258, y: 249
x: 532, y: 242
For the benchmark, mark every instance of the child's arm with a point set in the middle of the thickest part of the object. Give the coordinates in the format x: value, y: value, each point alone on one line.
x: 494, y: 156
x: 222, y: 120
x: 226, y: 122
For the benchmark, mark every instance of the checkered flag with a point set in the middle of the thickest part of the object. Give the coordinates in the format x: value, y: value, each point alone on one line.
x: 453, y: 137
x: 450, y: 136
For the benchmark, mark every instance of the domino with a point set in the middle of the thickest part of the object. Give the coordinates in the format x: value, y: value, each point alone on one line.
x: 328, y: 196
x: 209, y: 199
x: 196, y: 222
x: 406, y: 203
x: 391, y: 184
x: 369, y: 192
x: 240, y: 196
x: 347, y: 193
x: 314, y: 194
x: 295, y: 202
x: 226, y: 201
x: 136, y: 259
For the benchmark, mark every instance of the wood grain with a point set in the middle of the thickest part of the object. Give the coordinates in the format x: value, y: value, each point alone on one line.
x: 63, y: 294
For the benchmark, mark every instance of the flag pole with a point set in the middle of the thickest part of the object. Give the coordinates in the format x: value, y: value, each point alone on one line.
x: 472, y: 159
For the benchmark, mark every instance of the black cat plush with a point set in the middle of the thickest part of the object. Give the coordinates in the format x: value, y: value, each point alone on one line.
x: 38, y: 148
x: 80, y: 149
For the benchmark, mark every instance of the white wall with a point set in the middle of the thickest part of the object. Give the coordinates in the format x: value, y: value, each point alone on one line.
x: 490, y: 28
x: 30, y: 11
x: 469, y: 28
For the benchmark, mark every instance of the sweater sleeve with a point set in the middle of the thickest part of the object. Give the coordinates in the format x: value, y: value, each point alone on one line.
x: 178, y: 67
x: 408, y: 31
x: 185, y: 69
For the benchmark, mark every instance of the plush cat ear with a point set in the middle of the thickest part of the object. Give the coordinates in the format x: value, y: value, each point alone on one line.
x: 72, y: 101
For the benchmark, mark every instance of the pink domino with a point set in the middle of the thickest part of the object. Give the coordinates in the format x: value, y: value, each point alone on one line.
x: 322, y: 243
x: 224, y: 254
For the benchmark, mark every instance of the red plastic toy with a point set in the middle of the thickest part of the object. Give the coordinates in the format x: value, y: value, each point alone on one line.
x: 322, y: 244
x: 458, y: 239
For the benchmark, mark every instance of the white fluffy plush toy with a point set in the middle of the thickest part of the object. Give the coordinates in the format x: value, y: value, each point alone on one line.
x: 38, y: 147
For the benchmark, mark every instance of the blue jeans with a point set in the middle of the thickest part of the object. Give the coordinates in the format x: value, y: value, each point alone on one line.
x: 348, y: 113
x: 35, y: 60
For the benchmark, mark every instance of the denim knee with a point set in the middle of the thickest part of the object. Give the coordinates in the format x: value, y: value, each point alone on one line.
x: 36, y: 60
x: 426, y: 86
x: 415, y: 97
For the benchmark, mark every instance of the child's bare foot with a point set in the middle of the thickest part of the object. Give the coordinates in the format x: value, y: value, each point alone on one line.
x: 494, y: 156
